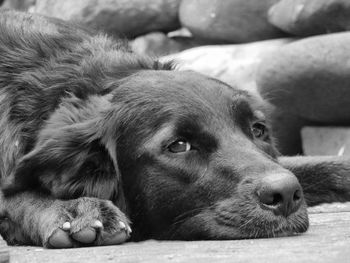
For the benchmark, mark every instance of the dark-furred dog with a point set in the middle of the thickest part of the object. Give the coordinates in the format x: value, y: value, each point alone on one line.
x: 92, y: 135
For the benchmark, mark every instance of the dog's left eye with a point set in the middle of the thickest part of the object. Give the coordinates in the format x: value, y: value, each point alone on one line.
x: 259, y: 130
x: 179, y: 146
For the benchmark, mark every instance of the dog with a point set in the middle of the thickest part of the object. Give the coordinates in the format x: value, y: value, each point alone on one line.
x: 94, y: 137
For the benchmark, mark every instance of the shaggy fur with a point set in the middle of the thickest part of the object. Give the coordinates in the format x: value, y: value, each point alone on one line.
x: 84, y: 121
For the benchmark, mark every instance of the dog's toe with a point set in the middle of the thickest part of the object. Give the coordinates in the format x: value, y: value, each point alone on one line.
x: 115, y: 238
x: 120, y: 234
x: 60, y: 239
x: 85, y: 236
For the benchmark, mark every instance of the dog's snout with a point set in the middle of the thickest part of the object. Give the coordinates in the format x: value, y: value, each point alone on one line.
x: 280, y: 193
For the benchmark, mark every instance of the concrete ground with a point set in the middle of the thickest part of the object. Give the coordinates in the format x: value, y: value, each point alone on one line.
x: 328, y: 240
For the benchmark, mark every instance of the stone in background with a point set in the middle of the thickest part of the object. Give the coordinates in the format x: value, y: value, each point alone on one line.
x: 21, y: 5
x: 310, y: 78
x: 326, y: 140
x: 122, y: 18
x: 233, y: 64
x: 228, y: 21
x: 311, y: 17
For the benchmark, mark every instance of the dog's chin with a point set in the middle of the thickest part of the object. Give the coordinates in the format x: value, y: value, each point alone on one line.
x: 210, y: 225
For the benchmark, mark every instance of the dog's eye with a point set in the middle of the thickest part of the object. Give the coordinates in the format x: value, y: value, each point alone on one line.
x: 259, y: 130
x: 179, y: 146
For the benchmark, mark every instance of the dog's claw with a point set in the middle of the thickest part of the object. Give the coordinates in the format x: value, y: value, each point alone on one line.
x: 66, y: 226
x: 97, y: 224
x: 122, y: 225
x: 88, y: 225
x: 129, y: 230
x: 125, y: 227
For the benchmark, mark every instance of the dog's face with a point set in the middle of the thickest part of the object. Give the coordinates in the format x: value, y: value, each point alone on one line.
x: 185, y: 155
x: 193, y: 156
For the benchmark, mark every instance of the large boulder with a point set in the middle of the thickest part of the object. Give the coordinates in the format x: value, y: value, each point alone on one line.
x: 228, y: 21
x: 311, y: 17
x: 22, y: 5
x: 310, y: 78
x: 117, y: 17
x: 233, y: 64
x: 326, y: 140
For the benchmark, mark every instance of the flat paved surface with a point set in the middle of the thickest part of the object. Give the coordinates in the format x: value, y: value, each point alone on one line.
x: 328, y: 240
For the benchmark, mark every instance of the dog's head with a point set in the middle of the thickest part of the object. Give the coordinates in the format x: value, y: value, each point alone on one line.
x: 188, y: 157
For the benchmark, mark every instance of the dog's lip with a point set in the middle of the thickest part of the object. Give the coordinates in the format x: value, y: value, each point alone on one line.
x: 208, y: 226
x: 269, y: 225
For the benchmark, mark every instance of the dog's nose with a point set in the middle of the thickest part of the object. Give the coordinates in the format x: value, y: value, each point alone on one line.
x: 280, y: 193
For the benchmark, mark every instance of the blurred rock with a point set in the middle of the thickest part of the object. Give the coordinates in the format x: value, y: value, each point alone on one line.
x: 159, y: 44
x: 228, y: 21
x: 326, y: 140
x: 123, y: 18
x: 310, y: 78
x: 22, y: 5
x: 233, y: 64
x: 181, y: 32
x: 311, y: 17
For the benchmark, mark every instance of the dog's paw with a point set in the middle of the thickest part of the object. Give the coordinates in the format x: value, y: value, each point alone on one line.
x: 87, y: 222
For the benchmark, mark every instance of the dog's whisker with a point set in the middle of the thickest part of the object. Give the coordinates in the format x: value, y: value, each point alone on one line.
x: 246, y: 223
x: 182, y: 217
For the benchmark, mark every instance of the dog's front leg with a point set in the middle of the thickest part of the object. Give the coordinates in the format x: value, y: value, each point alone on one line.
x: 324, y: 179
x: 34, y: 219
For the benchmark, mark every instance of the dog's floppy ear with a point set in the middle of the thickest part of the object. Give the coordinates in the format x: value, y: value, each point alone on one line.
x: 75, y: 154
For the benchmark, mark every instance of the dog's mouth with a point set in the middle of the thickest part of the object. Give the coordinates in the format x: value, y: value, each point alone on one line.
x: 227, y: 225
x: 266, y: 225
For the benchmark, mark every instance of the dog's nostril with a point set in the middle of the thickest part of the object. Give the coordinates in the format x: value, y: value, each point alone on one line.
x: 280, y: 193
x: 277, y: 198
x: 297, y: 195
x: 268, y: 198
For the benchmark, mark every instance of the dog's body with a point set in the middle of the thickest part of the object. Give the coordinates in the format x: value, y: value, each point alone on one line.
x: 84, y: 120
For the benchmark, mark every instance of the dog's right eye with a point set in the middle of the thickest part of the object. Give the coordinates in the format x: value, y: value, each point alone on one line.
x: 179, y: 146
x: 259, y: 130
